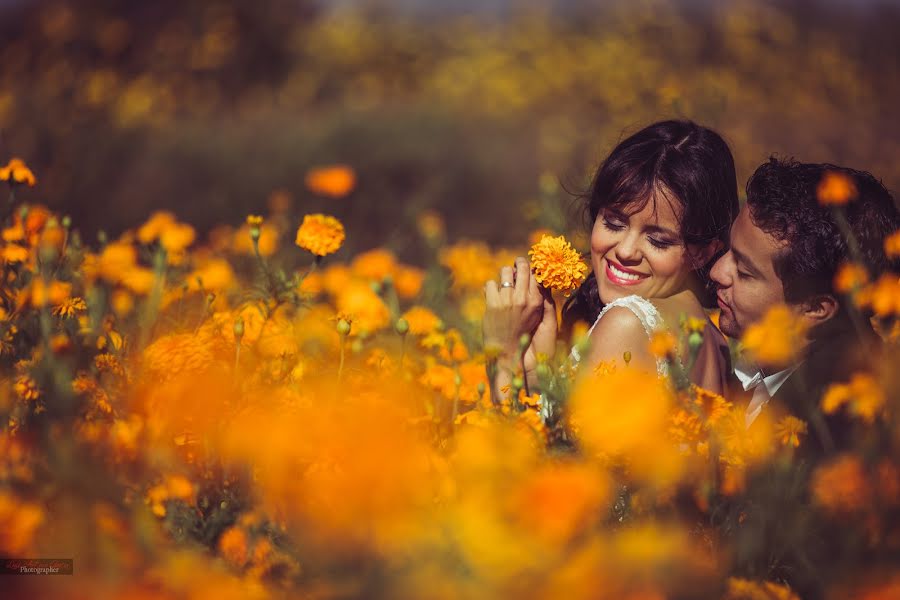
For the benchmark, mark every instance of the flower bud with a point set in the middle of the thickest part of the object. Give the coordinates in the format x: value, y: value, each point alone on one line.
x: 518, y: 383
x: 543, y: 370
x: 524, y: 340
x: 626, y: 356
x: 67, y: 221
x: 239, y: 329
x: 402, y: 326
x: 695, y: 339
x: 343, y: 326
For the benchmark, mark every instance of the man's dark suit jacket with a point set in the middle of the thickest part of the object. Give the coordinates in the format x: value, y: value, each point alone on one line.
x: 780, y: 536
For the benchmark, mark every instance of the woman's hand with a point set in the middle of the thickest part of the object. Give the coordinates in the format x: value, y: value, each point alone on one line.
x: 514, y: 307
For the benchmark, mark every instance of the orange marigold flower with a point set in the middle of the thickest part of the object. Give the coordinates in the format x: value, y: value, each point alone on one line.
x: 662, y: 344
x: 850, y: 277
x: 882, y: 297
x: 27, y: 388
x: 863, y: 395
x: 106, y: 362
x: 154, y: 226
x: 334, y: 181
x: 470, y: 264
x: 368, y: 310
x: 556, y: 264
x: 835, y: 189
x: 744, y: 589
x: 841, y: 486
x: 233, y: 547
x: 70, y: 308
x: 431, y: 225
x: 408, y: 281
x: 376, y: 264
x: 892, y: 245
x: 422, y: 321
x: 173, y: 487
x: 789, y: 429
x: 320, y: 234
x: 14, y: 253
x: 254, y: 220
x: 17, y: 172
x: 777, y: 339
x: 19, y: 522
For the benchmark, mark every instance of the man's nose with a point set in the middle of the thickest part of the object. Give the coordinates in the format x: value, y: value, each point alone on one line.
x: 719, y: 272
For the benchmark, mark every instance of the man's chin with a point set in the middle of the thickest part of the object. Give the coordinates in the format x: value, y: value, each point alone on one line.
x: 729, y: 327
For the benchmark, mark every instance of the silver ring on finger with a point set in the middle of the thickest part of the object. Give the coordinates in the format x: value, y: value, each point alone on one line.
x: 506, y: 284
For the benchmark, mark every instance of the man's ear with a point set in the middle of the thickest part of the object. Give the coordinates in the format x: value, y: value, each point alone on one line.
x: 701, y: 255
x: 819, y: 308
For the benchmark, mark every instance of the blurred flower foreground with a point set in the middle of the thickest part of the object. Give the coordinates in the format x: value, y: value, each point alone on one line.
x: 241, y: 417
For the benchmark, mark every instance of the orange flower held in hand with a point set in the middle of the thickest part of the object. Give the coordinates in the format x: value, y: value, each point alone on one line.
x: 556, y: 264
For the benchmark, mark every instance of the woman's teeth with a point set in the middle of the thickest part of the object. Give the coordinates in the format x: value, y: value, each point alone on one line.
x: 623, y: 274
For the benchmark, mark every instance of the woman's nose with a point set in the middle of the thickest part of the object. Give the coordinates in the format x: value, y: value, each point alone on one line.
x: 627, y: 250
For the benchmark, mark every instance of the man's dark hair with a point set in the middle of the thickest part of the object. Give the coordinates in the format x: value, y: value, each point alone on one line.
x: 783, y: 199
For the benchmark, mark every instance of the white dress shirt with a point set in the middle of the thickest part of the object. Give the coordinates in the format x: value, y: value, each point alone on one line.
x: 751, y: 376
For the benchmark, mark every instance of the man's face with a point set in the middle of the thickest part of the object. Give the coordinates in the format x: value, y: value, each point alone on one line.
x: 745, y: 276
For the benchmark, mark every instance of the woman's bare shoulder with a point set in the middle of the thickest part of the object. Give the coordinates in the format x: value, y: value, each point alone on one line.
x: 619, y: 330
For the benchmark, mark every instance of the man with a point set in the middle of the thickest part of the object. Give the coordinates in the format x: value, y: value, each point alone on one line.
x: 786, y: 248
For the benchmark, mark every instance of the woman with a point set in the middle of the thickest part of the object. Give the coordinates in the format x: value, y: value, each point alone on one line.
x: 660, y: 208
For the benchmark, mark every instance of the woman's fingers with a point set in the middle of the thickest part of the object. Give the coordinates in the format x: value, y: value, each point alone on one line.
x: 522, y: 280
x: 491, y: 293
x: 507, y: 281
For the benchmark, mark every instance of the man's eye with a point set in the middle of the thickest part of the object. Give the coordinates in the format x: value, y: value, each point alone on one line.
x: 743, y: 274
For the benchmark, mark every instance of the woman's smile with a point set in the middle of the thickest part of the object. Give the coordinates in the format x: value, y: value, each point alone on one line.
x: 620, y: 275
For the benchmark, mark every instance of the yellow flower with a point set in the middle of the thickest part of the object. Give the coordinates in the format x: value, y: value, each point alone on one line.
x: 882, y: 297
x: 662, y: 344
x: 892, y: 245
x: 863, y: 395
x: 850, y: 277
x: 233, y: 547
x: 835, y: 189
x: 19, y: 522
x: 254, y: 220
x: 556, y: 264
x: 333, y: 181
x: 70, y: 308
x: 27, y: 388
x: 777, y: 339
x: 367, y: 309
x: 320, y: 234
x: 744, y: 589
x: 431, y: 225
x: 422, y: 321
x: 789, y: 429
x: 154, y: 226
x: 375, y: 264
x: 470, y: 263
x: 17, y: 172
x: 408, y: 281
x: 841, y: 486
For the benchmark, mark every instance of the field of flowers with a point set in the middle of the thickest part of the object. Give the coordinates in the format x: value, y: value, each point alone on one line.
x: 248, y: 417
x: 269, y: 381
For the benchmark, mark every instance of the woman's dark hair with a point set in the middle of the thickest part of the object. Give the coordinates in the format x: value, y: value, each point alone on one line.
x: 679, y: 161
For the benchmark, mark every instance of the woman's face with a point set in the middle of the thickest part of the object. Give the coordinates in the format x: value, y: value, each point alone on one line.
x: 641, y: 253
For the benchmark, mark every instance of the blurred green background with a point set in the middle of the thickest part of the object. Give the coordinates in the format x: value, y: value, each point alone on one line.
x: 205, y: 107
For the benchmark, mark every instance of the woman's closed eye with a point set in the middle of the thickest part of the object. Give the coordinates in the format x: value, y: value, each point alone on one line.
x: 661, y: 244
x: 613, y: 224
